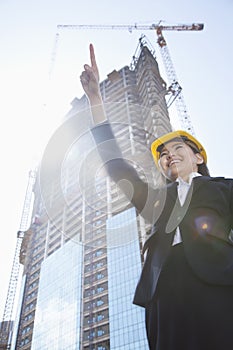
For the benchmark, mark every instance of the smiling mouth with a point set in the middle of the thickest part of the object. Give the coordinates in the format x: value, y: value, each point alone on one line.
x: 173, y: 162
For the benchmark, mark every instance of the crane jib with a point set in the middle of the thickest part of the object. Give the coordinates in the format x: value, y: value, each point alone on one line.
x: 179, y: 27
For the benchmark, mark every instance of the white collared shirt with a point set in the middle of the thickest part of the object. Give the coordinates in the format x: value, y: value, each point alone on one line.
x: 182, y: 189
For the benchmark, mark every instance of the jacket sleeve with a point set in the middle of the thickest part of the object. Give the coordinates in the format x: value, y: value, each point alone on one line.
x: 124, y: 174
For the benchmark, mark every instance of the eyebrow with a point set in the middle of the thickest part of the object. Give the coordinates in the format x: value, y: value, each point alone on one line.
x: 177, y: 143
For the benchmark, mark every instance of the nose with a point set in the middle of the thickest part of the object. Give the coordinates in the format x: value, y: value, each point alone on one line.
x: 170, y: 154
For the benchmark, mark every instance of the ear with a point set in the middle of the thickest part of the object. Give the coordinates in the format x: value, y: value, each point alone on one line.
x: 200, y: 159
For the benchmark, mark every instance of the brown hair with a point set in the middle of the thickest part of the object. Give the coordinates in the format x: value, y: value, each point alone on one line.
x: 202, y: 168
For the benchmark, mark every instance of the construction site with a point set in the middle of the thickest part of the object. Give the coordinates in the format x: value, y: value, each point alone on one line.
x: 69, y: 242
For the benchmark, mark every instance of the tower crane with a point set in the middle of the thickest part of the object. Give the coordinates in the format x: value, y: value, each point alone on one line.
x: 174, y: 88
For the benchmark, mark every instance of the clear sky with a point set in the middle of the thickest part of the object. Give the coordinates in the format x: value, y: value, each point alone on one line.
x: 37, y: 83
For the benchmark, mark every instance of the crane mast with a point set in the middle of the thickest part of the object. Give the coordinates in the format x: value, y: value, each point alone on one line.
x: 174, y: 89
x: 8, y: 310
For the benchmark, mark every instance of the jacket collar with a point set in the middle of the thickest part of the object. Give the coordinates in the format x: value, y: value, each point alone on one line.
x: 195, y: 184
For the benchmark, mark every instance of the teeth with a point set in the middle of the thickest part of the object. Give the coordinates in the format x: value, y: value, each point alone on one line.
x: 173, y: 162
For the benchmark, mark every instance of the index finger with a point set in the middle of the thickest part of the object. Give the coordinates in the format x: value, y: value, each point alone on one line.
x: 92, y: 56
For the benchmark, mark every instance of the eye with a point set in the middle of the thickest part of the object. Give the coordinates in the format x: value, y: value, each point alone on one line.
x: 164, y: 153
x: 179, y: 146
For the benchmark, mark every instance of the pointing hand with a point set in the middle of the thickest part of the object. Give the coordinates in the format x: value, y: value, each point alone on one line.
x: 90, y: 77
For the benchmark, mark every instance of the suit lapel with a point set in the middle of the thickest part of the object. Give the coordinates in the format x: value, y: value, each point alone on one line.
x: 172, y: 190
x: 172, y: 207
x: 178, y: 212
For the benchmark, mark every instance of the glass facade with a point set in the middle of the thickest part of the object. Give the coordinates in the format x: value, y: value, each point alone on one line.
x: 57, y: 319
x: 127, y: 321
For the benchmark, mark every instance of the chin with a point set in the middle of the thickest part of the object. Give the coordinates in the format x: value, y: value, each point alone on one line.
x: 172, y: 175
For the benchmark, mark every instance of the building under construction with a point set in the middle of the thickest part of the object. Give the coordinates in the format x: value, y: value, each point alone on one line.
x: 82, y: 253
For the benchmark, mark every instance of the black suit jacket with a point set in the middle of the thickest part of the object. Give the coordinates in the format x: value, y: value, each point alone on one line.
x: 205, y: 223
x: 205, y: 220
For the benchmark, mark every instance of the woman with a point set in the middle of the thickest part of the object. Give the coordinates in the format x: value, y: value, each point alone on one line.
x: 186, y: 285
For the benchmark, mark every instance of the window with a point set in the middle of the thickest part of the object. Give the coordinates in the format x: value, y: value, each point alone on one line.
x: 100, y: 332
x: 98, y: 253
x: 99, y: 302
x: 100, y: 317
x: 99, y: 276
x: 100, y: 289
x: 97, y: 223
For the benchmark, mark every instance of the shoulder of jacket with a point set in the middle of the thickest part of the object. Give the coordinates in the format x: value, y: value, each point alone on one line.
x: 221, y: 179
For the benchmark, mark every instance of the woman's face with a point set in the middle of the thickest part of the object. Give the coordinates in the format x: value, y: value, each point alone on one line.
x: 177, y: 159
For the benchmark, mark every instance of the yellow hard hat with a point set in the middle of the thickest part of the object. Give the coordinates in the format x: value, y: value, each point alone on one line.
x: 180, y: 134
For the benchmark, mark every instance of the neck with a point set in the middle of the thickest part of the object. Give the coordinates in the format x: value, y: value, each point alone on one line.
x: 188, y: 178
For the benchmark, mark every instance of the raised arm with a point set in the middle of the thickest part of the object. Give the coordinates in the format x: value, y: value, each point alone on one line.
x: 90, y: 83
x: 123, y: 173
